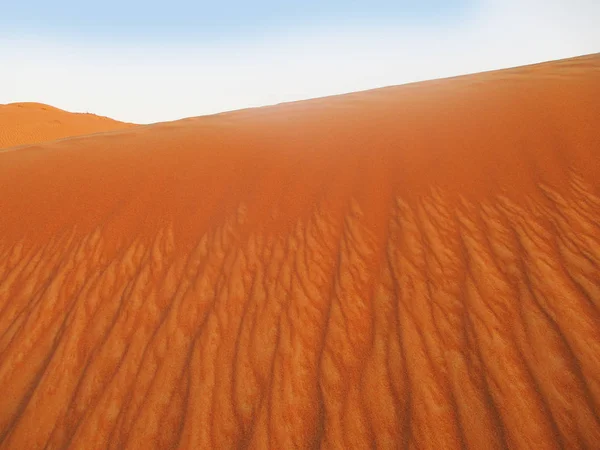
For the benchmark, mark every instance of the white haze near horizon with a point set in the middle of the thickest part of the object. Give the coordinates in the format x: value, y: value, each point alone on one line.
x: 146, y: 82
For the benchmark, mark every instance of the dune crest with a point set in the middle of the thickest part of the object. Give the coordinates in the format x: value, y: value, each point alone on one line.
x: 31, y: 123
x: 416, y: 266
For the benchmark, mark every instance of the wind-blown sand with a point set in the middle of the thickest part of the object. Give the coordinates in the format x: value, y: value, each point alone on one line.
x: 414, y: 266
x: 32, y: 123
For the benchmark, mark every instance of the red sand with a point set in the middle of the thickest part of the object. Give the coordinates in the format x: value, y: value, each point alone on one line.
x: 414, y: 266
x: 31, y: 123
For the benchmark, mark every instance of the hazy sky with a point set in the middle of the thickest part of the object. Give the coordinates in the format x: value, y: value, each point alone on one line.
x: 147, y: 61
x: 212, y: 20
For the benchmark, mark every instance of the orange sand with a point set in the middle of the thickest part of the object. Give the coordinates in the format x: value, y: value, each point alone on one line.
x: 32, y: 123
x: 414, y: 266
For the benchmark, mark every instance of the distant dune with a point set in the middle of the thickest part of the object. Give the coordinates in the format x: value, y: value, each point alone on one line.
x: 409, y: 267
x: 32, y: 123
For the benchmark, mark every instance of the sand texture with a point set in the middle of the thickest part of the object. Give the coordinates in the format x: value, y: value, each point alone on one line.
x: 409, y: 267
x: 32, y: 123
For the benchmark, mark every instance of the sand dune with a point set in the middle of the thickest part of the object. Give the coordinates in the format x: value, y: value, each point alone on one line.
x: 32, y: 123
x: 415, y: 267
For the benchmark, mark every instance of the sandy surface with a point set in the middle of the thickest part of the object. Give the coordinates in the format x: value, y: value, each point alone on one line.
x: 32, y: 123
x: 414, y: 266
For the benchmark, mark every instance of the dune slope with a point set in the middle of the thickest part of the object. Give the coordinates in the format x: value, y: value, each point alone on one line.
x: 414, y: 266
x: 32, y: 123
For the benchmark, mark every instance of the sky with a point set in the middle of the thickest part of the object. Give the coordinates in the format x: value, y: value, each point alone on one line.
x: 151, y: 61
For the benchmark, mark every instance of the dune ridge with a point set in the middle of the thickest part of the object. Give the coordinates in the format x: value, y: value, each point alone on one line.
x: 409, y: 267
x: 31, y: 123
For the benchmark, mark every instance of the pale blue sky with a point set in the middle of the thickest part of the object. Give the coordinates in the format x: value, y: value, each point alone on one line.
x: 147, y: 61
x: 214, y: 19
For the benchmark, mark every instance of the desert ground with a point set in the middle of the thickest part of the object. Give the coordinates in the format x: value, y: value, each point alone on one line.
x: 409, y: 267
x: 32, y: 123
